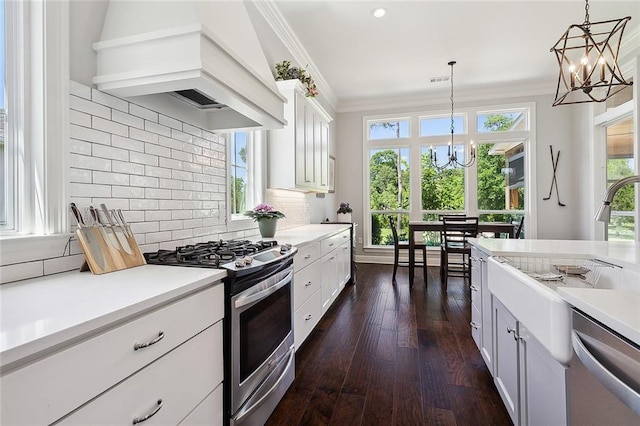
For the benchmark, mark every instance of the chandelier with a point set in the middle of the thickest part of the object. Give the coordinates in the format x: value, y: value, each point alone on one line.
x: 587, y: 55
x: 452, y: 155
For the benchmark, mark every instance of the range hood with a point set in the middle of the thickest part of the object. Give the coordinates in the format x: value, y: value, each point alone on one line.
x: 205, y: 53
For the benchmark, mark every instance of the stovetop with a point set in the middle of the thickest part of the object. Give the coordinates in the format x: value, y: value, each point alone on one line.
x: 212, y: 254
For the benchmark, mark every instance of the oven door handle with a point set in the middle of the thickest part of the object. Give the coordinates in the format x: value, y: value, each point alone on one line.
x: 243, y: 301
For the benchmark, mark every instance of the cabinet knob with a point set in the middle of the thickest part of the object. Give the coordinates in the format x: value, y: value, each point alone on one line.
x: 307, y: 284
x: 148, y: 416
x: 330, y: 244
x: 307, y: 257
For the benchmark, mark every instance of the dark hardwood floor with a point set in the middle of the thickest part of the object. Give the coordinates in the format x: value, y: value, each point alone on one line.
x: 387, y: 355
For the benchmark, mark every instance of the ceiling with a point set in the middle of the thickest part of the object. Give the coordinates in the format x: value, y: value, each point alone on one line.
x: 497, y: 44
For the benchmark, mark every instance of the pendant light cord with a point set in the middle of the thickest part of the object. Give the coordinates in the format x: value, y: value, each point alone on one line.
x: 452, y: 63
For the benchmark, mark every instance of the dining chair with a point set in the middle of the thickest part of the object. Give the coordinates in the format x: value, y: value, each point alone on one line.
x: 450, y: 217
x: 456, y: 232
x: 404, y: 245
x: 518, y: 227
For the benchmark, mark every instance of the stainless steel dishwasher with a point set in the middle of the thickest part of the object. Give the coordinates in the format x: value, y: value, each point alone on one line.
x: 604, y: 376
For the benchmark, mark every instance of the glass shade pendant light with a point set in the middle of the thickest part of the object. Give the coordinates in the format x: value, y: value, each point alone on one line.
x: 587, y: 55
x: 452, y: 155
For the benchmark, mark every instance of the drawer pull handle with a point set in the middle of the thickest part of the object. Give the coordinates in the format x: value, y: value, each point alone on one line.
x: 148, y: 416
x: 330, y: 244
x: 307, y: 284
x: 153, y: 342
x: 515, y: 335
x: 474, y: 325
x: 308, y: 317
x: 307, y: 257
x: 474, y: 288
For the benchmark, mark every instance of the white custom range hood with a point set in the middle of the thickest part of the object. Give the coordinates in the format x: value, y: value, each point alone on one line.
x: 203, y: 52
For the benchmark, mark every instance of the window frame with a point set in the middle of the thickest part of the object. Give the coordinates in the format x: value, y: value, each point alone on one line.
x: 38, y: 33
x: 256, y: 170
x: 470, y: 134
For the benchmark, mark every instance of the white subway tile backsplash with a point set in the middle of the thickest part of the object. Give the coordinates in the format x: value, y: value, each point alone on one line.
x: 202, y: 143
x: 181, y: 175
x: 181, y: 136
x: 192, y: 186
x: 181, y: 214
x: 144, y: 136
x: 181, y: 155
x: 89, y: 135
x: 141, y: 158
x: 193, y: 223
x: 158, y: 150
x: 108, y: 100
x: 192, y: 167
x: 199, y: 177
x: 135, y: 215
x: 110, y: 152
x: 80, y: 90
x: 112, y: 203
x: 145, y: 227
x: 191, y: 204
x: 88, y: 107
x: 85, y: 162
x: 200, y: 159
x: 157, y: 172
x: 195, y: 131
x: 123, y: 117
x: 177, y: 194
x: 171, y: 184
x: 183, y: 233
x: 80, y: 147
x: 89, y: 190
x: 21, y: 271
x: 210, y: 136
x: 125, y: 167
x: 169, y: 142
x: 170, y: 163
x: 80, y: 175
x: 157, y: 215
x: 110, y: 178
x: 109, y: 126
x: 170, y: 122
x: 191, y: 148
x: 63, y: 264
x: 144, y: 181
x: 171, y: 225
x: 157, y: 193
x: 118, y: 141
x: 79, y: 118
x: 157, y: 237
x: 127, y: 192
x: 170, y: 205
x: 144, y: 204
x: 159, y: 129
x: 142, y: 112
x: 199, y: 214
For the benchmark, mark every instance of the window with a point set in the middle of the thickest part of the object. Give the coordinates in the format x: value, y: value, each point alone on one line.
x: 245, y: 172
x: 620, y: 164
x: 407, y: 174
x: 388, y: 192
x: 35, y: 117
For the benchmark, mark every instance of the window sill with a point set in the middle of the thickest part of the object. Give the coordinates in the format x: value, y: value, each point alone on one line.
x: 27, y: 248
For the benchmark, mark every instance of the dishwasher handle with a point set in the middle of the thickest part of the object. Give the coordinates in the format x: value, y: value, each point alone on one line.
x: 616, y: 386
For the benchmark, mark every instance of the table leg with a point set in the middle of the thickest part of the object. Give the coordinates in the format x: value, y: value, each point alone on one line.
x: 412, y: 254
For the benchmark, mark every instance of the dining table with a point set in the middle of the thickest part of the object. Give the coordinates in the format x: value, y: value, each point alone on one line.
x: 496, y: 228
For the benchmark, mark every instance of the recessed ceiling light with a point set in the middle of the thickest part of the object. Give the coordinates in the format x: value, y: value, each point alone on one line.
x: 379, y: 12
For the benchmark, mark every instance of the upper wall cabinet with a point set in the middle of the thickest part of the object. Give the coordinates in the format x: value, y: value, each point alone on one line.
x: 299, y: 153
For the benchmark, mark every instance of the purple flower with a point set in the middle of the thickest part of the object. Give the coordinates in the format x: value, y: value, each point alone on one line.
x: 264, y: 211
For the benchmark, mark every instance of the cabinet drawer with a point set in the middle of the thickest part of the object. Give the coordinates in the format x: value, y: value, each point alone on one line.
x: 476, y: 293
x: 306, y: 317
x: 45, y: 390
x: 334, y: 241
x: 179, y: 380
x: 209, y: 412
x: 305, y: 283
x: 476, y: 325
x: 306, y: 255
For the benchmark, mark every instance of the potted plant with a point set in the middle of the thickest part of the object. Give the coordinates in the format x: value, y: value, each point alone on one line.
x: 284, y: 71
x: 267, y: 219
x: 344, y: 212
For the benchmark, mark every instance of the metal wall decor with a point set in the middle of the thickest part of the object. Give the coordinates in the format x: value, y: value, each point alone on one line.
x: 452, y: 155
x: 587, y: 55
x: 554, y: 180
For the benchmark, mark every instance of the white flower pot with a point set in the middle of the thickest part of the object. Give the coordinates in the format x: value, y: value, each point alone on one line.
x: 344, y: 217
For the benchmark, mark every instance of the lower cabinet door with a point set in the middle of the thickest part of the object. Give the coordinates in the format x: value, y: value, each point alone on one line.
x: 476, y: 325
x: 209, y: 412
x: 506, y: 359
x: 306, y: 317
x: 165, y: 391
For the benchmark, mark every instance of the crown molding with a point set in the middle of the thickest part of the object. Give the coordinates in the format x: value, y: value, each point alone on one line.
x: 495, y: 92
x: 285, y: 33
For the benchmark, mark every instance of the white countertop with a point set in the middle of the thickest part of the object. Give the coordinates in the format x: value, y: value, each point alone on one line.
x: 306, y: 234
x: 37, y: 315
x: 617, y: 309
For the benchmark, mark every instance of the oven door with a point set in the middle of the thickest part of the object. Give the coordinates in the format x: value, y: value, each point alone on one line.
x: 261, y: 334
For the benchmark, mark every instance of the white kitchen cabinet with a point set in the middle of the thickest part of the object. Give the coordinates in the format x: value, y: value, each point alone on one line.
x: 530, y: 381
x: 53, y: 384
x: 481, y: 307
x: 329, y: 279
x: 299, y: 153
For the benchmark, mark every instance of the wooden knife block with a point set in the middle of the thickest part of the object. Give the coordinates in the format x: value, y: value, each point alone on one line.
x: 103, y: 252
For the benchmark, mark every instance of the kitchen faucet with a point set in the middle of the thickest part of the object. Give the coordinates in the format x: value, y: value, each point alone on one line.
x: 604, y: 213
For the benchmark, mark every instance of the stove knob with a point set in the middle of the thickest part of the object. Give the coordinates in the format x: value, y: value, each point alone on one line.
x: 240, y: 263
x: 247, y: 260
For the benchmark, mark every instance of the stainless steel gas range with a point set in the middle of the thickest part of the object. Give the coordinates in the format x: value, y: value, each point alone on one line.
x: 258, y: 337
